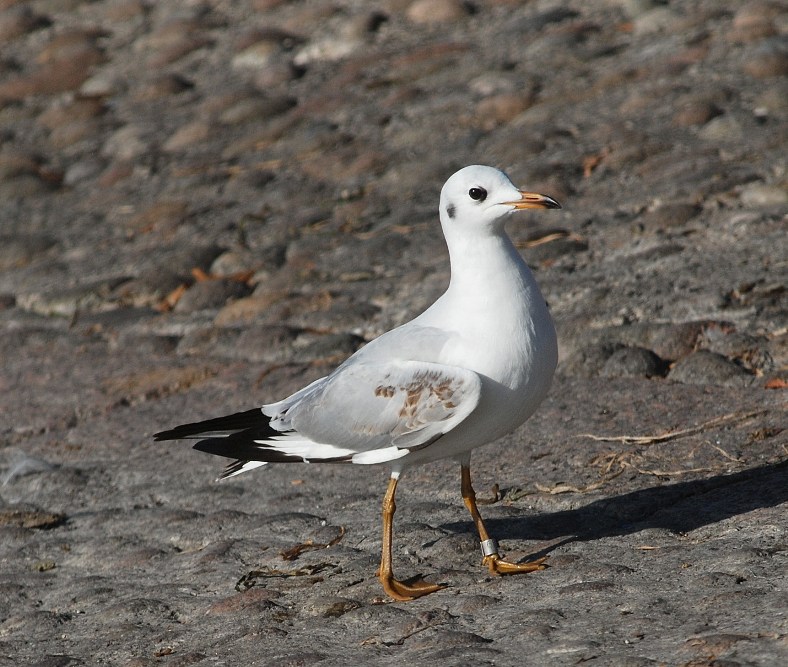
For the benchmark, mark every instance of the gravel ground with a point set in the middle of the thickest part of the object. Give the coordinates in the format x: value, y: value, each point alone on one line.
x: 206, y: 204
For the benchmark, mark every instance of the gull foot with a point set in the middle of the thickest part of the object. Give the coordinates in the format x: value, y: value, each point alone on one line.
x: 497, y: 565
x: 402, y: 592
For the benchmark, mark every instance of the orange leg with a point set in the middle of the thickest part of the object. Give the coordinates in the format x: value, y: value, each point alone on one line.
x: 489, y: 545
x: 393, y: 587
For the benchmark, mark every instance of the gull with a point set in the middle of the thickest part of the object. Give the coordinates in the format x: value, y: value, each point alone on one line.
x: 470, y: 369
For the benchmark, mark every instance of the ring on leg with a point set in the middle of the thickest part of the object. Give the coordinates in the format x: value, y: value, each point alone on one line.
x: 489, y: 545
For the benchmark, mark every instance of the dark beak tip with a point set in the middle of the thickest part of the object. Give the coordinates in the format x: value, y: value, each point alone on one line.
x: 552, y: 203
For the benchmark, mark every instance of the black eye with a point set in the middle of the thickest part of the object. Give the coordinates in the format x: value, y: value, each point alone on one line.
x: 477, y: 194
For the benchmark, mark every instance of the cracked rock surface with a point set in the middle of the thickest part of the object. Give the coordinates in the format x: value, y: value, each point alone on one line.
x: 205, y: 205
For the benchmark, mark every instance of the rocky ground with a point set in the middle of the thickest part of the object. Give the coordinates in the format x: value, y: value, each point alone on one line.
x: 206, y: 204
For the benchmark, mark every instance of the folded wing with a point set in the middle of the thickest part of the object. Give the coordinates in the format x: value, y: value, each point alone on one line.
x: 366, y: 412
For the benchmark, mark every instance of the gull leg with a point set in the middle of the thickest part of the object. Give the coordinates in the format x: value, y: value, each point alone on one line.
x: 492, y: 560
x: 394, y: 588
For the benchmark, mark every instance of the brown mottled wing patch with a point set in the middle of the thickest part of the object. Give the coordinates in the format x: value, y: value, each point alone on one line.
x: 368, y: 406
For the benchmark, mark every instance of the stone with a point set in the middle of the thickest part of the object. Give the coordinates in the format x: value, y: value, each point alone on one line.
x: 194, y: 133
x: 697, y: 111
x: 709, y: 368
x: 82, y: 171
x: 633, y: 362
x: 210, y: 294
x: 754, y: 21
x: 257, y: 109
x: 171, y: 41
x: 723, y: 128
x: 769, y: 59
x: 501, y: 108
x: 162, y: 85
x: 20, y: 249
x: 755, y: 195
x: 126, y: 144
x: 668, y: 215
x: 19, y: 20
x: 436, y: 11
x: 62, y: 65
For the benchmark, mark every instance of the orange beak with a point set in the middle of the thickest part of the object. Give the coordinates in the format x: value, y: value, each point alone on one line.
x: 533, y: 200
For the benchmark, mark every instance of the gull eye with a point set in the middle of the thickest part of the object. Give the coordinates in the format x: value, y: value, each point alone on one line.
x: 477, y: 194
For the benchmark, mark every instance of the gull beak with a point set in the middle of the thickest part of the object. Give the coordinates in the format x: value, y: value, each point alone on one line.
x: 533, y: 200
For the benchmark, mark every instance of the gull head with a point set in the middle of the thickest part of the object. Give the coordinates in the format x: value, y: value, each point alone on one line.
x: 479, y: 198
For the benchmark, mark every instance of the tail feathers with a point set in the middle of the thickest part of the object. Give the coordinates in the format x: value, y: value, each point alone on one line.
x: 243, y: 446
x: 222, y: 427
x: 237, y: 467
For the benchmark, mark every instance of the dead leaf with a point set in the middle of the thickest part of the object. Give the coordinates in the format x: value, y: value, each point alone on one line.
x: 169, y: 301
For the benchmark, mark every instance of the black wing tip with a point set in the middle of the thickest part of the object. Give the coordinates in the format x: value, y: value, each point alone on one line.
x: 233, y: 468
x: 243, y: 447
x: 238, y: 421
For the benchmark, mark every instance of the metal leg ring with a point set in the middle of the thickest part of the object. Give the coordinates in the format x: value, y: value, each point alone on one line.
x: 489, y: 547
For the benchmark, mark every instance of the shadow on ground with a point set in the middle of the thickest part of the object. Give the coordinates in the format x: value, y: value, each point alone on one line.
x: 679, y: 508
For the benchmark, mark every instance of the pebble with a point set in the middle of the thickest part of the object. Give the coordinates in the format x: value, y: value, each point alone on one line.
x: 234, y: 262
x: 255, y: 343
x: 63, y: 66
x: 633, y: 362
x: 256, y: 109
x: 254, y: 601
x: 19, y: 20
x: 756, y: 195
x: 163, y: 85
x: 247, y: 309
x: 67, y: 301
x: 668, y: 215
x: 114, y: 173
x: 59, y: 113
x: 72, y: 133
x: 102, y: 84
x: 502, y: 108
x: 709, y: 368
x: 428, y: 12
x: 695, y: 111
x: 187, y: 136
x: 656, y: 20
x: 667, y: 340
x: 149, y: 288
x: 587, y: 361
x: 171, y: 42
x: 14, y: 164
x: 329, y: 606
x: 124, y: 11
x: 753, y: 352
x: 126, y: 144
x: 722, y: 129
x: 208, y: 294
x: 277, y: 73
x: 769, y: 59
x: 495, y: 83
x: 71, y: 43
x: 20, y: 249
x: 754, y: 21
x: 774, y: 100
x: 258, y: 55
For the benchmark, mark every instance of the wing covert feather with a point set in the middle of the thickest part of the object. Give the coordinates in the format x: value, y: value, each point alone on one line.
x: 371, y: 405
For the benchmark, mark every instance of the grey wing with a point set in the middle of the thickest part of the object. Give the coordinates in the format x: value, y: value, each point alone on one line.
x: 377, y: 411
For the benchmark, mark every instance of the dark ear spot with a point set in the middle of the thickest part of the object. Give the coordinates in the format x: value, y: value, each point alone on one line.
x: 451, y: 210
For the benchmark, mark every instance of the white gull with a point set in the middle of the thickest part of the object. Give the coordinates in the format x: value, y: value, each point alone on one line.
x: 471, y: 368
